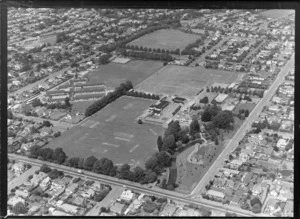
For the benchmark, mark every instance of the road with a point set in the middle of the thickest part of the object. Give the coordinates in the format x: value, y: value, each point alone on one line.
x: 233, y: 143
x: 135, y: 186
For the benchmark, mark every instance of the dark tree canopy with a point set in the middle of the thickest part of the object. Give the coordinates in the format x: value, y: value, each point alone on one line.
x: 194, y: 127
x: 224, y: 119
x: 89, y: 162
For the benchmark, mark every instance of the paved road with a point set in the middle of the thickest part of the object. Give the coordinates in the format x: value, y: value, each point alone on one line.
x: 233, y: 143
x: 135, y: 186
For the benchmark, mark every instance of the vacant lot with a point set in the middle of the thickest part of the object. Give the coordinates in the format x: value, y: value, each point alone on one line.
x: 183, y: 81
x: 279, y: 13
x: 135, y: 71
x: 114, y: 133
x: 166, y: 39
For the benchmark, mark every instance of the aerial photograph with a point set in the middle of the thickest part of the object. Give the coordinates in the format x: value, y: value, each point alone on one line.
x: 150, y: 112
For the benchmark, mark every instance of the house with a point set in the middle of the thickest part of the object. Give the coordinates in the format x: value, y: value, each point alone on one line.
x: 60, y: 213
x: 69, y: 208
x: 230, y: 183
x: 281, y: 143
x: 288, y: 210
x: 235, y: 200
x: 127, y: 195
x: 72, y: 188
x: 168, y: 210
x: 88, y: 193
x: 257, y: 189
x: 14, y: 200
x: 133, y: 207
x: 79, y: 200
x: 18, y: 167
x: 35, y: 207
x: 110, y: 214
x: 246, y: 179
x: 66, y: 180
x: 228, y: 172
x: 271, y: 205
x: 45, y: 183
x: 117, y: 208
x: 215, y: 194
x: 58, y: 192
x: 37, y: 178
x: 58, y: 184
x: 220, y: 183
x: 22, y: 193
x: 235, y: 164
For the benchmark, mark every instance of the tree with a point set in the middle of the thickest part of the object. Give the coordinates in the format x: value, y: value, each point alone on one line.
x: 173, y: 129
x: 159, y: 143
x: 194, y: 127
x: 89, y: 163
x: 36, y: 102
x: 150, y: 177
x: 59, y: 155
x: 103, y: 166
x: 163, y: 159
x: 276, y: 149
x: 19, y: 208
x: 139, y: 173
x: 246, y: 113
x: 47, y: 123
x: 67, y: 102
x: 81, y: 163
x: 254, y: 201
x: 169, y: 143
x: 44, y: 168
x: 224, y: 119
x: 256, y: 208
x: 204, y: 100
x: 123, y: 171
x: 9, y: 114
x: 74, y: 161
x: 140, y: 121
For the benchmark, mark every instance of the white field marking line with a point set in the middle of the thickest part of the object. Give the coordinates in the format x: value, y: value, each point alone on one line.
x: 109, y: 144
x: 134, y: 147
x: 84, y: 123
x: 151, y: 130
x: 102, y: 152
x: 122, y: 134
x: 92, y: 126
x: 128, y: 106
x: 122, y: 139
x: 111, y: 118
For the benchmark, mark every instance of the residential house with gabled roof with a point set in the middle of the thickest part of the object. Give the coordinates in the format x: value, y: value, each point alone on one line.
x: 37, y: 178
x: 257, y: 189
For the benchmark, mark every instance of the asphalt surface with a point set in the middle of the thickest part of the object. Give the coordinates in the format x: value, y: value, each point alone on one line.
x: 233, y: 143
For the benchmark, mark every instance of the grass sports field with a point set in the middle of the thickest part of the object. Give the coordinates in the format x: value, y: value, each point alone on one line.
x: 135, y: 71
x: 184, y: 81
x: 278, y: 13
x: 114, y: 133
x: 166, y: 39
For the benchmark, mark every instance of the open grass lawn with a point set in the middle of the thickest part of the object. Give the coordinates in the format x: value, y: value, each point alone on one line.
x: 277, y: 13
x: 248, y: 105
x: 81, y: 106
x: 183, y: 81
x: 166, y: 39
x: 113, y: 74
x: 114, y: 133
x: 189, y: 174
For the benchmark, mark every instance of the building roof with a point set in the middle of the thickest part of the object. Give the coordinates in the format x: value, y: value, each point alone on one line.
x: 117, y: 207
x: 221, y: 97
x: 215, y: 193
x: 168, y: 210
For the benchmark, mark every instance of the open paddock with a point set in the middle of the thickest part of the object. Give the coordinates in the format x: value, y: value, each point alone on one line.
x: 183, y: 81
x: 166, y: 39
x: 113, y: 132
x: 113, y: 74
